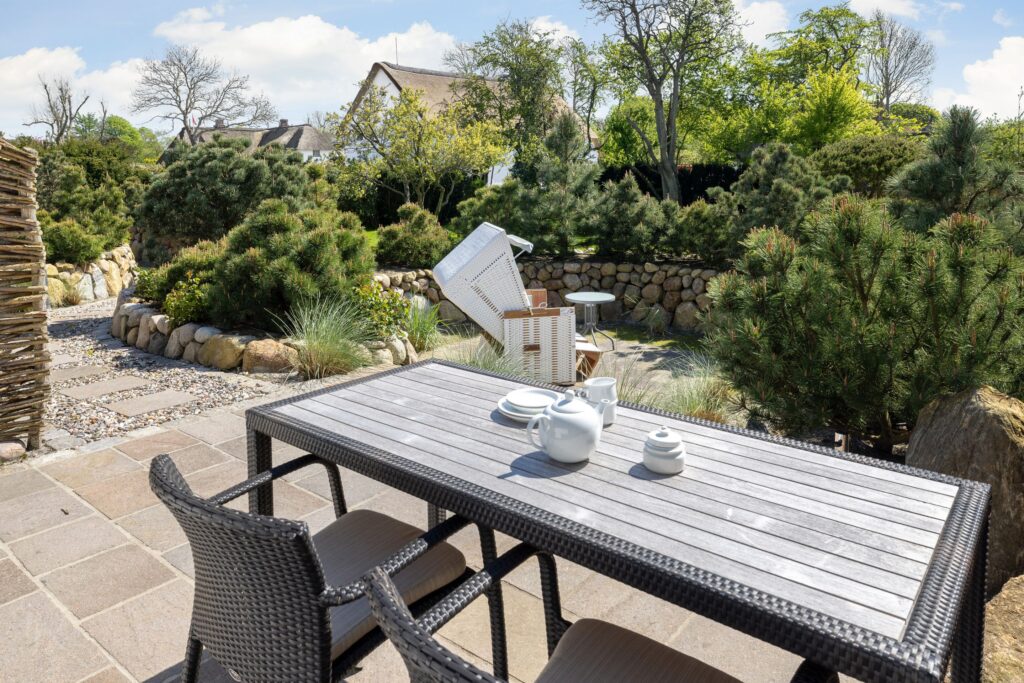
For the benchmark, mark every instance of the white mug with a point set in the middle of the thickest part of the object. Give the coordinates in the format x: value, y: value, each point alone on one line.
x: 597, y: 389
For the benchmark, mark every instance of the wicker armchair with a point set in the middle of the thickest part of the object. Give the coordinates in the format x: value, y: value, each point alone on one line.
x: 274, y: 603
x: 588, y: 651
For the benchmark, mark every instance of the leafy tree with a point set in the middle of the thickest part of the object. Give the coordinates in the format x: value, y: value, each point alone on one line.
x: 830, y: 108
x: 862, y: 325
x: 670, y: 49
x: 921, y: 114
x: 404, y: 148
x: 277, y: 259
x: 416, y: 241
x: 213, y: 186
x: 833, y: 38
x: 761, y: 117
x: 955, y: 177
x: 190, y: 89
x: 868, y: 160
x: 586, y: 80
x: 512, y: 77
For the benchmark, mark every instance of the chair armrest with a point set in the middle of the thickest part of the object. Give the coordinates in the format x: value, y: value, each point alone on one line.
x: 809, y: 672
x: 335, y: 596
x: 267, y: 476
x: 475, y: 586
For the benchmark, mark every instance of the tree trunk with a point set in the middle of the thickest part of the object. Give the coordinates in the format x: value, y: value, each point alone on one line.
x: 669, y: 179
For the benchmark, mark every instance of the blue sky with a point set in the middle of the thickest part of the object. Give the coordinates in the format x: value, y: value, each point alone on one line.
x: 308, y: 55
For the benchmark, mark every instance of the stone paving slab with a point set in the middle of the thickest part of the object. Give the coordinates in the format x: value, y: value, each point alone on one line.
x: 61, y: 359
x: 164, y: 442
x: 67, y: 543
x: 76, y: 372
x: 37, y: 512
x: 14, y: 583
x: 107, y: 386
x: 41, y: 644
x: 130, y: 407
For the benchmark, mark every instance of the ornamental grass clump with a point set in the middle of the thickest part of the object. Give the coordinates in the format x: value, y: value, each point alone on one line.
x: 698, y: 389
x: 330, y: 337
x: 421, y: 326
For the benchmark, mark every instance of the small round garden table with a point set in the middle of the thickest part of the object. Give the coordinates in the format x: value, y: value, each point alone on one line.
x: 590, y: 301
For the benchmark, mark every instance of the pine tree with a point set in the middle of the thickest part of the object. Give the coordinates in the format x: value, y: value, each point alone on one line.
x: 955, y: 177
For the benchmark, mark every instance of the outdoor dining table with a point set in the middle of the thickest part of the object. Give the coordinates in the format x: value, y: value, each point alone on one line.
x: 866, y: 567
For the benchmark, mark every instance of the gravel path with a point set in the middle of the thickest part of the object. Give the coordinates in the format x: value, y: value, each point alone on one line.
x: 80, y: 342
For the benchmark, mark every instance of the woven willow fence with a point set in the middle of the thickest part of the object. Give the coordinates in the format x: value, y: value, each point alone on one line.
x: 24, y: 361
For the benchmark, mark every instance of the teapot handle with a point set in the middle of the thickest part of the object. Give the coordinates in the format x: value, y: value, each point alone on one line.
x: 534, y: 421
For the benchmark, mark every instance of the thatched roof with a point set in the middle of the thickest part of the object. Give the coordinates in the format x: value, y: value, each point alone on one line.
x: 436, y: 87
x: 302, y: 137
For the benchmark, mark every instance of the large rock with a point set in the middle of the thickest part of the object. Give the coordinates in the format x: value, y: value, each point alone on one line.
x: 410, y: 353
x: 99, y: 283
x: 267, y: 355
x: 224, y: 351
x: 11, y: 450
x: 979, y: 434
x: 133, y: 336
x: 135, y: 313
x: 145, y: 329
x: 1004, y: 642
x: 113, y: 280
x: 157, y: 343
x: 449, y: 312
x: 191, y: 352
x: 84, y: 287
x: 162, y: 323
x: 179, y: 339
x: 204, y: 333
x: 397, y: 348
x: 685, y: 316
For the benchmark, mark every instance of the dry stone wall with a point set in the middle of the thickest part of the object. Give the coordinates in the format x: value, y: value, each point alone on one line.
x: 102, y: 279
x: 673, y: 292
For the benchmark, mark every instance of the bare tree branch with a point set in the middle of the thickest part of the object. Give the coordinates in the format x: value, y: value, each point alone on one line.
x: 900, y: 67
x: 60, y: 109
x: 187, y: 88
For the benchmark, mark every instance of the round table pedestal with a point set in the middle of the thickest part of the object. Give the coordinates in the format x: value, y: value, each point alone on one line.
x: 590, y: 302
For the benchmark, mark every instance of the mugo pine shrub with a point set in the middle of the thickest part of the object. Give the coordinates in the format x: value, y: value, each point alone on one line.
x: 862, y: 324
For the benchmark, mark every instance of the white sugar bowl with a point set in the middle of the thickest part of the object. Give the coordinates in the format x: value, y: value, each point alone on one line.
x: 664, y: 451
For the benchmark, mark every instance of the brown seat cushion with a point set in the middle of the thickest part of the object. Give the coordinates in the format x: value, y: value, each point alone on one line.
x: 362, y: 539
x: 598, y: 652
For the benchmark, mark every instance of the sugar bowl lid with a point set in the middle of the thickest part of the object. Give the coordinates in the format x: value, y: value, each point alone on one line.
x: 664, y: 439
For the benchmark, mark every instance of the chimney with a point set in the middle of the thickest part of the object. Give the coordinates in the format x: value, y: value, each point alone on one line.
x: 219, y: 123
x: 283, y: 123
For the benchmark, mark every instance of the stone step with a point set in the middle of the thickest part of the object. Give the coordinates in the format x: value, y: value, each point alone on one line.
x: 151, y: 403
x: 106, y: 386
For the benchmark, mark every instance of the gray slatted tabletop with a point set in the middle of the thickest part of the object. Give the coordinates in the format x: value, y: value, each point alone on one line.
x: 846, y: 563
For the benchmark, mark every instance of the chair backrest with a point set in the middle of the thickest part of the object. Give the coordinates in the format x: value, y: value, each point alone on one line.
x: 427, y: 660
x: 257, y: 586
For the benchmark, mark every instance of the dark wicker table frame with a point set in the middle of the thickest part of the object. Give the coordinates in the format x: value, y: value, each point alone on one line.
x: 947, y: 620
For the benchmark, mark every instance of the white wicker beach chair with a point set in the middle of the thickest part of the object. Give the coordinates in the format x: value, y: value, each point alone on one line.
x: 543, y: 342
x: 480, y: 277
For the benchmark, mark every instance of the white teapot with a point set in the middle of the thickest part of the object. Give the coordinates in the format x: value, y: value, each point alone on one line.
x: 568, y: 430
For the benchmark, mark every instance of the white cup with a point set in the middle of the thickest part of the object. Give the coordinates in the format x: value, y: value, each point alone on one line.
x: 597, y: 389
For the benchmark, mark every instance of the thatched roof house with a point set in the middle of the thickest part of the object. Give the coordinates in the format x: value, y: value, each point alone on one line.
x: 303, y: 138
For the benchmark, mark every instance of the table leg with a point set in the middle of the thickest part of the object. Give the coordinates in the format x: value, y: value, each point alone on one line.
x: 496, y: 605
x: 969, y: 643
x: 435, y: 515
x: 259, y: 457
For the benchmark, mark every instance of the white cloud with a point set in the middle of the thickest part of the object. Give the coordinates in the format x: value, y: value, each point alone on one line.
x: 952, y: 6
x: 937, y: 36
x: 1002, y: 18
x: 991, y: 84
x: 899, y: 8
x: 558, y: 29
x: 302, y: 64
x: 761, y: 19
x: 19, y: 81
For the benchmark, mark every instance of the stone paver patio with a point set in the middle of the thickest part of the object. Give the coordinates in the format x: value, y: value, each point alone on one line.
x: 95, y: 575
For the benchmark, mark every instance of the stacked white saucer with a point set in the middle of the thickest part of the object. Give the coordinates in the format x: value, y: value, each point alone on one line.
x: 522, y: 404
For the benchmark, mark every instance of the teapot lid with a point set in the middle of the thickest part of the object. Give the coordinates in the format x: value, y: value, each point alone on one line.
x: 570, y: 404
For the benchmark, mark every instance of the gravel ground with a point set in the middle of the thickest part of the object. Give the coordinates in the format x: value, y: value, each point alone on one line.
x: 80, y: 335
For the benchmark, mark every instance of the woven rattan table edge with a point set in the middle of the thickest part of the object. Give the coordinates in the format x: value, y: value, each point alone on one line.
x: 921, y: 655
